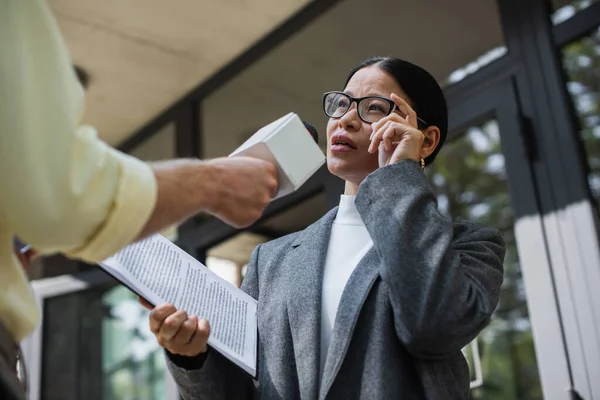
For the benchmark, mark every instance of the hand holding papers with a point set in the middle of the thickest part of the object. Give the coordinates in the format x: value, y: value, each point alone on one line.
x: 160, y: 272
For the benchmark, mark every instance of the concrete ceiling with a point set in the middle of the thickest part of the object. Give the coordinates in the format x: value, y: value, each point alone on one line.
x: 142, y: 55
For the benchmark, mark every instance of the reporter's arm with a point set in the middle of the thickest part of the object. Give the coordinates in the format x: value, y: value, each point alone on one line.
x: 62, y: 188
x: 185, y: 187
x: 66, y: 189
x: 235, y: 190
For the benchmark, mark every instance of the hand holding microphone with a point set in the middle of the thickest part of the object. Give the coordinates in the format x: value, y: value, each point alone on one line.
x: 244, y: 186
x: 251, y: 177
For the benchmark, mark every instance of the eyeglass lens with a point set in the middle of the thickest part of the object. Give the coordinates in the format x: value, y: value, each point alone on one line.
x: 370, y: 109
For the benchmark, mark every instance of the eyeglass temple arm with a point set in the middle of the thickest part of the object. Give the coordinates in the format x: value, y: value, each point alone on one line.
x: 419, y: 119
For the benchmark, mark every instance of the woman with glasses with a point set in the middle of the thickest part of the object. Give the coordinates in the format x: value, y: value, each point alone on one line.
x: 377, y: 298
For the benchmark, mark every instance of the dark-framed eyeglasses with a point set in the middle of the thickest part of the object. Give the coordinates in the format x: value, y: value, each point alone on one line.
x: 370, y: 109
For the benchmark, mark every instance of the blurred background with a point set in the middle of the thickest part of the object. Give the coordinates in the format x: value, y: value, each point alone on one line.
x: 195, y: 78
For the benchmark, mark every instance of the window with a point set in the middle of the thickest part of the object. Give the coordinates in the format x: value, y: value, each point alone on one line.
x: 563, y: 13
x: 475, y: 65
x: 469, y: 178
x: 581, y: 61
x: 94, y: 343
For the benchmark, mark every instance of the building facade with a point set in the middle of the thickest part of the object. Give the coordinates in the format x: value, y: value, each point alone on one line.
x: 522, y: 80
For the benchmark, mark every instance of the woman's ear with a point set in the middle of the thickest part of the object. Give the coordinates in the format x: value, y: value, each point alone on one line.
x: 431, y: 141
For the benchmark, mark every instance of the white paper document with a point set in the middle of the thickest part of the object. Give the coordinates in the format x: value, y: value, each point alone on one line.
x: 287, y: 143
x: 160, y: 272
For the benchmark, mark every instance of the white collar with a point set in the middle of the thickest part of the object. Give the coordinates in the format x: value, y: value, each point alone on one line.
x: 347, y: 213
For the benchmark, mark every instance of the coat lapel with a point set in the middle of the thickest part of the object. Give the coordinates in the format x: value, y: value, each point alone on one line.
x: 353, y: 297
x: 305, y: 262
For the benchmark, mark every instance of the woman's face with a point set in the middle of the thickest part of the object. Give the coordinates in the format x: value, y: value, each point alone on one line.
x: 348, y: 136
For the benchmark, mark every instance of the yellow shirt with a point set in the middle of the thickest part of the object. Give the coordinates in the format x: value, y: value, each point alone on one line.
x: 61, y: 188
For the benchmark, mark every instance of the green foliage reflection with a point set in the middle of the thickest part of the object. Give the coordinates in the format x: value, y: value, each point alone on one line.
x: 469, y: 179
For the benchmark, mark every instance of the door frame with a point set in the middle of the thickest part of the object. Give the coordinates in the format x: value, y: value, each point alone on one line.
x: 498, y: 98
x: 33, y: 345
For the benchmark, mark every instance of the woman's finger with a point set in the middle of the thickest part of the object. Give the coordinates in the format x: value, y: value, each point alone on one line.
x: 376, y: 137
x: 145, y: 304
x: 158, y: 316
x: 392, y: 134
x: 200, y: 339
x: 172, y: 325
x: 409, y: 147
x: 393, y: 117
x: 408, y: 112
x: 198, y: 342
x: 183, y: 337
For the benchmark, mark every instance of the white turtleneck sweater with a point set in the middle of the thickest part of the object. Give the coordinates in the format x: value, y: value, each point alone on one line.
x: 348, y: 243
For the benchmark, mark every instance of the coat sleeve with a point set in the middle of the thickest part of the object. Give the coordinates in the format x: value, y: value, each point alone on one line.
x: 444, y: 279
x: 211, y: 376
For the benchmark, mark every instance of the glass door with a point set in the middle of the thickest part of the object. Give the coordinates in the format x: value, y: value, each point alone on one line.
x: 94, y: 343
x: 483, y: 175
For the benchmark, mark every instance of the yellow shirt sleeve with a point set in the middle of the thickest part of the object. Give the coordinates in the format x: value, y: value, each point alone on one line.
x: 62, y: 188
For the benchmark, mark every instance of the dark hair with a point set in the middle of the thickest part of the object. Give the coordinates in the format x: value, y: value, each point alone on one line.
x: 421, y: 88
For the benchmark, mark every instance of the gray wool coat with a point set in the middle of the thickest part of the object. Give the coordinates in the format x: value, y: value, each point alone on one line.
x: 423, y: 292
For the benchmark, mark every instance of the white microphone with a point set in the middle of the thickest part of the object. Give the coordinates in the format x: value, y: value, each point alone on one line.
x: 285, y: 143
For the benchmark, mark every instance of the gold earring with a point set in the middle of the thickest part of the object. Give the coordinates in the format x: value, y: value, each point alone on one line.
x: 422, y: 164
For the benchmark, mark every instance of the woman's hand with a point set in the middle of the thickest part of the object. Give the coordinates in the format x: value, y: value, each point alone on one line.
x: 177, y: 332
x: 397, y: 138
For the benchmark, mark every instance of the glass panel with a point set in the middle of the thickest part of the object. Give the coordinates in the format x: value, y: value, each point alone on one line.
x: 485, y: 59
x: 160, y: 146
x: 229, y: 258
x: 581, y: 60
x: 297, y: 217
x: 469, y: 177
x: 98, y: 346
x: 563, y: 10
